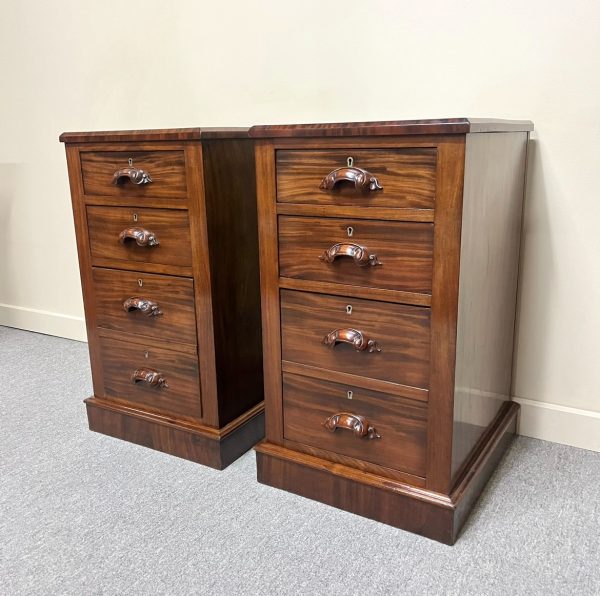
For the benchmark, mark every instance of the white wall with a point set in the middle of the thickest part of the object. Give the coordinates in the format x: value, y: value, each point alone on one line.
x: 73, y: 65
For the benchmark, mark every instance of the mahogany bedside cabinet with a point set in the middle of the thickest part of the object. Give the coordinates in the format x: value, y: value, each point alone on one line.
x: 389, y: 254
x: 168, y: 252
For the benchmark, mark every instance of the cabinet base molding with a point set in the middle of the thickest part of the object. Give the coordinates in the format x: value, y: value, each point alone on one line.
x: 430, y: 514
x: 212, y: 447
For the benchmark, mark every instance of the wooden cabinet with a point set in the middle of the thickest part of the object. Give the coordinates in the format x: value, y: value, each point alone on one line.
x: 166, y: 233
x: 389, y: 255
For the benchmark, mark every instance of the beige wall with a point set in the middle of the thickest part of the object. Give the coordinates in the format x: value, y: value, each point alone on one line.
x: 72, y: 65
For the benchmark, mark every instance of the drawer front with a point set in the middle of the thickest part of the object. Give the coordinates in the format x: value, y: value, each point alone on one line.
x: 180, y: 395
x: 156, y: 306
x: 406, y: 177
x: 401, y: 332
x: 329, y: 250
x: 166, y: 170
x: 171, y: 228
x: 310, y: 407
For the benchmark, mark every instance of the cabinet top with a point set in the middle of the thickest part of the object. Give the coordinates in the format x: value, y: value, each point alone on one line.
x: 392, y: 127
x: 164, y: 134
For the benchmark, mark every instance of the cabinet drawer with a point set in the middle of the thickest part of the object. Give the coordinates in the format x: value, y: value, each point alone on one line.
x: 166, y: 170
x: 157, y: 306
x: 401, y: 332
x: 309, y: 405
x: 338, y: 250
x: 170, y: 228
x: 180, y: 395
x: 406, y: 176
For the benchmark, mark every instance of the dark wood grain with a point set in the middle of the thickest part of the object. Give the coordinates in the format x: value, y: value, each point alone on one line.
x: 405, y: 251
x: 407, y: 177
x: 120, y: 360
x: 401, y: 423
x: 489, y: 261
x: 166, y: 169
x: 230, y: 198
x: 180, y: 438
x: 391, y: 127
x: 163, y: 134
x: 174, y: 296
x: 171, y: 227
x: 401, y: 331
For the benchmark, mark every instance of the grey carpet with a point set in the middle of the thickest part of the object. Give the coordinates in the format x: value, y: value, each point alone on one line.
x: 86, y: 514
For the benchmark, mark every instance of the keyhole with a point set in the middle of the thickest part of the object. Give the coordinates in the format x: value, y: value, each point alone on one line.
x: 140, y: 282
x: 350, y: 161
x: 130, y: 161
x: 135, y: 217
x: 146, y: 354
x: 349, y: 309
x: 350, y: 231
x: 349, y: 394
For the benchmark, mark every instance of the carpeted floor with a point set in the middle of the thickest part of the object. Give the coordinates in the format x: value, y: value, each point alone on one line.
x: 85, y: 514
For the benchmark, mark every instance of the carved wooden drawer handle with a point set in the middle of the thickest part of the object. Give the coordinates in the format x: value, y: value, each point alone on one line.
x: 141, y: 236
x: 360, y: 254
x: 148, y: 307
x: 362, y: 179
x: 134, y: 175
x: 359, y: 425
x: 354, y: 337
x: 151, y: 377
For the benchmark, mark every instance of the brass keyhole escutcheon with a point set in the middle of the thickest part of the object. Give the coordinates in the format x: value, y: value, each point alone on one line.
x: 140, y: 282
x: 349, y: 394
x: 350, y: 162
x: 146, y: 354
x: 135, y: 217
x: 349, y: 309
x: 130, y: 162
x: 350, y: 231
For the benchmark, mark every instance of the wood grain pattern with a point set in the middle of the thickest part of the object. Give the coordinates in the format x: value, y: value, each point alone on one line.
x: 489, y: 261
x: 444, y: 308
x: 120, y: 360
x: 407, y: 176
x: 401, y: 423
x: 166, y: 169
x: 171, y: 227
x: 401, y: 331
x: 391, y: 127
x: 174, y: 295
x: 230, y: 202
x: 405, y: 251
x: 162, y: 134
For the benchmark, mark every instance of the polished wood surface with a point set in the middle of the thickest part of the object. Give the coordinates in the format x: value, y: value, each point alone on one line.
x: 400, y: 423
x: 402, y: 333
x: 160, y: 287
x: 173, y: 295
x: 404, y: 252
x: 171, y: 228
x: 165, y: 168
x: 162, y: 134
x: 442, y: 126
x: 179, y: 394
x: 489, y: 262
x: 406, y: 177
x: 230, y: 191
x: 321, y: 262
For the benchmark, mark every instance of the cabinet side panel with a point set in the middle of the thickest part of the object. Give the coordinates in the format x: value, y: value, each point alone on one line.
x: 491, y: 227
x: 230, y: 190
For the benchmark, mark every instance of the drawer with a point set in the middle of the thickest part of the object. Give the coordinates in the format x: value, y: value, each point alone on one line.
x: 170, y: 228
x: 310, y: 407
x: 179, y: 396
x: 338, y: 250
x: 406, y: 176
x: 309, y: 323
x: 166, y: 170
x: 156, y: 306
